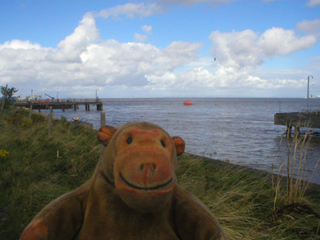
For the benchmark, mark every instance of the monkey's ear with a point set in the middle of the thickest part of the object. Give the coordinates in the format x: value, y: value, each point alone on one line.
x: 179, y: 144
x: 105, y: 133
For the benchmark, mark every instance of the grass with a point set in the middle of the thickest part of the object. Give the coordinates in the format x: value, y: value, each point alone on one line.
x: 38, y: 168
x: 297, y: 180
x: 35, y: 169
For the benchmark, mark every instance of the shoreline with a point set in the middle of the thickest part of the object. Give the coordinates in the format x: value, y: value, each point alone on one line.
x: 264, y: 174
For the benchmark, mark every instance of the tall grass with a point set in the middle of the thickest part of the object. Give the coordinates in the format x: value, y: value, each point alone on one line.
x: 295, y: 177
x: 38, y: 169
x: 243, y: 201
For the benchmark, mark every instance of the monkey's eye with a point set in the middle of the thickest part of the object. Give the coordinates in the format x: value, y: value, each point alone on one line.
x: 129, y: 140
x: 163, y: 143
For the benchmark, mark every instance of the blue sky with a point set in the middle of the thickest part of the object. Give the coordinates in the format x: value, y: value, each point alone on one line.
x: 161, y: 48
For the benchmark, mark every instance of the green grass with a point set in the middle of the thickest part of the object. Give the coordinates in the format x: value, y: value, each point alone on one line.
x: 37, y: 169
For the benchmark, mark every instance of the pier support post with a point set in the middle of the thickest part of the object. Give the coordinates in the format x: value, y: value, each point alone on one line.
x: 99, y: 107
x: 75, y: 107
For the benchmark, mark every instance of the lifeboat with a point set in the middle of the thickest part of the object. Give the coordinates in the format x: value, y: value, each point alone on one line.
x: 188, y: 102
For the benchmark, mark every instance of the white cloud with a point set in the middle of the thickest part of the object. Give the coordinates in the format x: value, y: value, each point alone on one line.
x: 189, y: 2
x: 147, y: 29
x: 235, y: 49
x: 247, y: 49
x: 310, y: 27
x: 279, y: 42
x: 76, y: 43
x: 131, y: 10
x: 240, y: 55
x: 83, y: 62
x: 18, y: 44
x: 139, y: 37
x: 312, y: 3
x: 190, y: 79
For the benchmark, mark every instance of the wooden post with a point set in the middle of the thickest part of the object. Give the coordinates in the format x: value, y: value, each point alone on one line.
x: 4, y: 98
x: 30, y: 109
x: 50, y: 122
x: 99, y: 107
x: 102, y: 119
x: 102, y: 123
x: 75, y: 107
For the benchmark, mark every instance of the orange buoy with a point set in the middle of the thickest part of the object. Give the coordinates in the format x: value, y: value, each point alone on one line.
x: 188, y: 102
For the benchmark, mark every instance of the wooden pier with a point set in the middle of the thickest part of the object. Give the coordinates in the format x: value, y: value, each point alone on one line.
x: 298, y: 120
x: 42, y: 105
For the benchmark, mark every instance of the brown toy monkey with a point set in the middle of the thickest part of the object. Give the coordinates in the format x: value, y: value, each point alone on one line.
x: 133, y: 194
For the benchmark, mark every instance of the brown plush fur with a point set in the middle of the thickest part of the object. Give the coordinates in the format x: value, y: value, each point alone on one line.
x: 133, y: 194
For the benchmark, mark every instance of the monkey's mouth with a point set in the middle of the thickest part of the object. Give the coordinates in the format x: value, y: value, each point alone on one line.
x: 145, y: 188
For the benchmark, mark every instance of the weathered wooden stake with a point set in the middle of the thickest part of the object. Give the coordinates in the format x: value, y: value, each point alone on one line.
x: 30, y: 109
x: 50, y: 122
x: 102, y: 119
x: 102, y: 123
x: 4, y: 98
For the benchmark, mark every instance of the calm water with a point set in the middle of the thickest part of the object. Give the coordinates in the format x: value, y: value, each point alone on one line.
x: 240, y: 131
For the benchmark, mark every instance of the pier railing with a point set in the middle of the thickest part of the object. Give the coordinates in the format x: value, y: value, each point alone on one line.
x: 60, y: 103
x: 59, y: 100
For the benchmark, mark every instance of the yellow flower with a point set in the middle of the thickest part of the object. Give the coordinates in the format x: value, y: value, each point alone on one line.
x: 26, y: 123
x: 3, y: 154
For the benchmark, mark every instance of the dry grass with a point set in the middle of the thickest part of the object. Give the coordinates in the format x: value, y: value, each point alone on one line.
x: 243, y: 201
x: 39, y: 168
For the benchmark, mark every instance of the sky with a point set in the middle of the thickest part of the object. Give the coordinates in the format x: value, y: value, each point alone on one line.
x: 161, y: 48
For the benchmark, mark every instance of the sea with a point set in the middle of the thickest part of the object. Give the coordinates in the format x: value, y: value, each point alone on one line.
x: 240, y: 131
